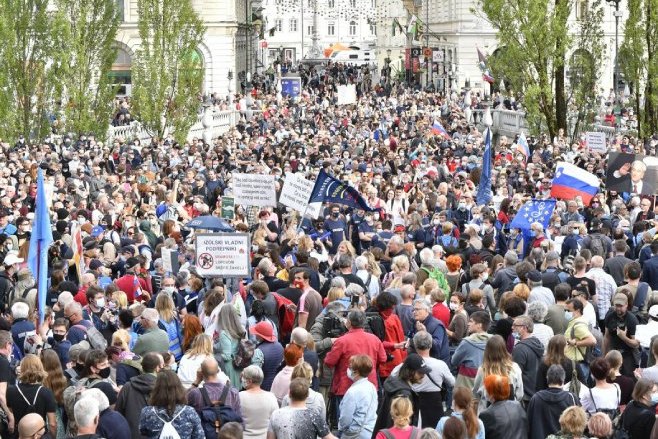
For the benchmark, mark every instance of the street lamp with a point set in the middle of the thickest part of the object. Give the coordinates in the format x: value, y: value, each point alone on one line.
x: 615, y: 74
x: 230, y: 80
x: 387, y: 66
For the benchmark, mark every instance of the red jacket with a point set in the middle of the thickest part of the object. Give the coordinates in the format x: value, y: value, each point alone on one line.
x: 355, y: 342
x: 129, y: 284
x: 441, y: 312
x: 394, y: 334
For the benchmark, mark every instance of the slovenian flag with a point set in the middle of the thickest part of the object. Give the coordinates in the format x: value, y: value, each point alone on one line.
x: 570, y: 181
x: 522, y: 146
x: 438, y: 130
x: 488, y: 77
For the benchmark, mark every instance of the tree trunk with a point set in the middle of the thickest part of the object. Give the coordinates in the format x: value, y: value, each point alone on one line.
x: 560, y: 98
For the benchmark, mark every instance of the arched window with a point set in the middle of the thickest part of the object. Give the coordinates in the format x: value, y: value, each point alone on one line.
x: 120, y: 74
x: 352, y: 27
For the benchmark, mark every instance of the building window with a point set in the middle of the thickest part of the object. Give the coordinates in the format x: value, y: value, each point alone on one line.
x: 331, y: 29
x: 310, y: 30
x: 352, y: 3
x: 352, y: 27
x: 278, y: 23
x: 293, y: 25
x: 120, y: 10
x: 373, y: 29
x: 331, y: 4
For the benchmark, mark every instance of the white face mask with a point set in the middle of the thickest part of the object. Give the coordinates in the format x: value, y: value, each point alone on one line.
x: 100, y: 302
x: 485, y: 276
x: 169, y: 290
x: 454, y: 306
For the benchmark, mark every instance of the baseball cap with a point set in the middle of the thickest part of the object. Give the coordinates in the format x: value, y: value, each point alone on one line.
x: 653, y: 312
x: 534, y: 276
x: 132, y: 262
x: 415, y: 363
x: 97, y: 231
x: 620, y: 299
x: 12, y: 258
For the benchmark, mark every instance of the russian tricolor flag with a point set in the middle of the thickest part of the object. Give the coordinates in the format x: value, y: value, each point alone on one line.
x: 570, y: 181
x: 522, y: 146
x: 438, y: 129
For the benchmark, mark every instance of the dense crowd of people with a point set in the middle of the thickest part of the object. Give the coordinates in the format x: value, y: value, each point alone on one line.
x: 427, y: 316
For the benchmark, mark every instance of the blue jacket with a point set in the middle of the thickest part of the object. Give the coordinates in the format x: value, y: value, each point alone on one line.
x: 358, y: 410
x: 440, y: 347
x: 273, y: 357
x: 650, y: 272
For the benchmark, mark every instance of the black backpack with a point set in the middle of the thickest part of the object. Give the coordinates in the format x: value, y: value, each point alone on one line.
x: 215, y: 414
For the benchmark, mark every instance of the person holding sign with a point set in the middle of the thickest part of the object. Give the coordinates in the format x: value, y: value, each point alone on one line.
x: 630, y: 178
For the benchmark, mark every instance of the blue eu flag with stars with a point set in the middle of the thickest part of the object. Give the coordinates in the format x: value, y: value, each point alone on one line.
x: 535, y: 211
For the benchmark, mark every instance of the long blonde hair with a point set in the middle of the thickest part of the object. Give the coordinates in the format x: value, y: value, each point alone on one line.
x: 373, y: 265
x: 201, y: 345
x: 497, y: 360
x: 164, y: 304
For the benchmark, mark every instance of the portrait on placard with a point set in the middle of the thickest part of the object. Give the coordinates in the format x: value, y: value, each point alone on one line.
x: 632, y: 173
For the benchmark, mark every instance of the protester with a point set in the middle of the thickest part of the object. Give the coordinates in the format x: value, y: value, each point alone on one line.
x: 503, y: 418
x: 405, y: 224
x: 256, y: 404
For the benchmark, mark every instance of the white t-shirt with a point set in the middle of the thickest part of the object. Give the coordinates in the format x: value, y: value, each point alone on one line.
x: 590, y: 315
x: 608, y: 398
x: 256, y: 410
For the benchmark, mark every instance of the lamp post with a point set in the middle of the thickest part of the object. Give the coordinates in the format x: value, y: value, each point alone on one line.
x: 615, y: 74
x: 387, y: 67
x: 230, y: 80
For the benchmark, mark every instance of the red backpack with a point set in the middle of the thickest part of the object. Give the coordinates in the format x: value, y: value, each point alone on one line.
x: 286, y: 310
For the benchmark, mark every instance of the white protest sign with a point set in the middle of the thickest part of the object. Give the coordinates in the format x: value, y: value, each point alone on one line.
x: 346, y: 94
x: 223, y: 254
x: 254, y: 190
x: 295, y: 194
x: 596, y: 141
x: 170, y: 260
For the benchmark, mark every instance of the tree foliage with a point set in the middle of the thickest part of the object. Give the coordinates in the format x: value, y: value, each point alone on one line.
x: 88, y: 92
x: 639, y: 60
x: 166, y: 76
x: 535, y: 38
x: 33, y: 52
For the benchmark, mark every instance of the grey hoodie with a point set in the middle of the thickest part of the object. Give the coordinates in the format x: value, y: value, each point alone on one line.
x: 528, y: 354
x: 469, y: 355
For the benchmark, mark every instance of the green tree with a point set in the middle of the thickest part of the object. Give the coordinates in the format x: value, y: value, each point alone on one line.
x: 166, y: 75
x: 583, y: 68
x: 638, y: 57
x: 535, y: 38
x: 33, y: 51
x: 88, y: 92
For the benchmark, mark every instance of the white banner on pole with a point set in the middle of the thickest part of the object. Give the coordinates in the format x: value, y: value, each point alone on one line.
x: 295, y: 194
x: 223, y: 255
x: 596, y: 141
x: 346, y: 94
x: 254, y: 190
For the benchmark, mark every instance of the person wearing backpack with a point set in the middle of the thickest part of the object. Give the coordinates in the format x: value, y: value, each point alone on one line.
x: 168, y: 416
x: 134, y: 394
x: 29, y: 395
x: 429, y: 271
x: 216, y: 402
x: 96, y: 374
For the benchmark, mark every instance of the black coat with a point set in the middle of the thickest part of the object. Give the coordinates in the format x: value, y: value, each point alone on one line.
x: 544, y: 411
x: 638, y: 420
x: 394, y: 387
x: 505, y: 420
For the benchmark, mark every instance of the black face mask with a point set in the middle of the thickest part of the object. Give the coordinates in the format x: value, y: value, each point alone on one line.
x: 79, y: 368
x: 104, y: 373
x: 58, y: 337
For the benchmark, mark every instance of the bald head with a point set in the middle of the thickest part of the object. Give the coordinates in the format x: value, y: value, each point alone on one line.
x: 30, y: 424
x: 209, y: 369
x: 596, y: 262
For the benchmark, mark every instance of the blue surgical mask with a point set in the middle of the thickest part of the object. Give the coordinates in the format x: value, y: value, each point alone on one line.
x: 516, y: 336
